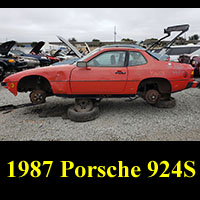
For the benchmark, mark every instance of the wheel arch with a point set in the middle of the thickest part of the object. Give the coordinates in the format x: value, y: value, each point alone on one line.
x: 29, y: 83
x: 161, y: 84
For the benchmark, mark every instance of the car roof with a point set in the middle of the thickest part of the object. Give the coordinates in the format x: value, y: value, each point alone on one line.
x: 124, y: 46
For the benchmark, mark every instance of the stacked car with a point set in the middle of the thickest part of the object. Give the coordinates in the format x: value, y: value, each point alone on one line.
x: 8, y: 63
x: 13, y: 60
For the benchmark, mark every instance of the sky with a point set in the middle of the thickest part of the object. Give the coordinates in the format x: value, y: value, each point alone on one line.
x: 86, y: 24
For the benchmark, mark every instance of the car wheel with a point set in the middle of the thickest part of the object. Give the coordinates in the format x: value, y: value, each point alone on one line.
x: 76, y: 116
x: 152, y: 96
x: 170, y: 103
x: 38, y: 96
x: 84, y: 105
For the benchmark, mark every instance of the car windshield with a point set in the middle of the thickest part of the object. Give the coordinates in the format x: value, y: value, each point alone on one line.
x: 88, y: 55
x: 17, y: 52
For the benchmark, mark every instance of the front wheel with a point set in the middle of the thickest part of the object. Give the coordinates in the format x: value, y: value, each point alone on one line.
x: 38, y: 96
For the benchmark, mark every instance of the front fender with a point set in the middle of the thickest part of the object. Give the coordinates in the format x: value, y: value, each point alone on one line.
x: 58, y: 78
x: 11, y: 86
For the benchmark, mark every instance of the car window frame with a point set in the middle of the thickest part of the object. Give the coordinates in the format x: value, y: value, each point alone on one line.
x: 139, y: 64
x: 125, y: 60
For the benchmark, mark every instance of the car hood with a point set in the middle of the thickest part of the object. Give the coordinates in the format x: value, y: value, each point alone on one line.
x: 37, y: 47
x: 51, y: 73
x: 6, y: 46
x: 68, y: 44
x: 29, y: 58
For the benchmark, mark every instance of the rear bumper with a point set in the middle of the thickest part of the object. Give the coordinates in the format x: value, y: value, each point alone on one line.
x: 193, y: 84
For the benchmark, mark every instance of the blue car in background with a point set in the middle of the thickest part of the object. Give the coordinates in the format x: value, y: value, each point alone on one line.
x: 34, y: 53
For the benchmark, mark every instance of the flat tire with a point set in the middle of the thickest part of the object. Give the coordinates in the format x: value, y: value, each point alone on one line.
x: 73, y: 115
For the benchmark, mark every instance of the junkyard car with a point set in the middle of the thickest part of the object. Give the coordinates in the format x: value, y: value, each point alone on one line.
x: 8, y: 63
x: 31, y: 61
x: 106, y: 72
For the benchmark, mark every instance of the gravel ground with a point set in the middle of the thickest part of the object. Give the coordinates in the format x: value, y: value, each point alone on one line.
x: 119, y: 120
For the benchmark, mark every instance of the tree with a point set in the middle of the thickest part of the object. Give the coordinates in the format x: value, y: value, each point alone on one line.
x: 33, y: 44
x: 150, y: 41
x: 194, y: 37
x: 180, y: 41
x: 95, y: 40
x: 128, y: 40
x: 73, y: 39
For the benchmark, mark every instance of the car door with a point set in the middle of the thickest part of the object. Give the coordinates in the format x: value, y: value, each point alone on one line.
x: 138, y: 70
x: 106, y: 74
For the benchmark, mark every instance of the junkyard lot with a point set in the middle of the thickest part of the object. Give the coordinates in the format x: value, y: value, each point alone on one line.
x: 119, y: 120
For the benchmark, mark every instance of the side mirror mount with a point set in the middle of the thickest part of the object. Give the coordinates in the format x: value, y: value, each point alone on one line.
x: 81, y: 64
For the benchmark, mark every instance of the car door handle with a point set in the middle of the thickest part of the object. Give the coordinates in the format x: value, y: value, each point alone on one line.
x: 120, y: 72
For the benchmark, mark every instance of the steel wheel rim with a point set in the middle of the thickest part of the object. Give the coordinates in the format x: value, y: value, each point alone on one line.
x: 83, y: 105
x: 152, y: 96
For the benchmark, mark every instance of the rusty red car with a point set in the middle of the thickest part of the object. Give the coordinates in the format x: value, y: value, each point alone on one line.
x: 109, y: 71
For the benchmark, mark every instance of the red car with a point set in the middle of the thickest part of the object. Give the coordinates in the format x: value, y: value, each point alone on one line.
x: 112, y: 71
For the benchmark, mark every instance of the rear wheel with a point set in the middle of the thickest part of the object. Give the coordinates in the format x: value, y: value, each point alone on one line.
x: 38, y: 96
x: 152, y: 96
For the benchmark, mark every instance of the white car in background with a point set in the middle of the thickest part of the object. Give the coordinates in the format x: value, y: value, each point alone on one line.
x: 174, y: 52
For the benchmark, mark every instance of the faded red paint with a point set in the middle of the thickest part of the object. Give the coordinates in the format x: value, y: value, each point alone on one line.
x: 103, y: 80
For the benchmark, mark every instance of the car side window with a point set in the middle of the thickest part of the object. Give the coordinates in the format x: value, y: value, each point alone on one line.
x: 109, y: 59
x: 136, y: 58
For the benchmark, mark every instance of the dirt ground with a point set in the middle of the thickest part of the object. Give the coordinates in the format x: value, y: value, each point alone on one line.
x: 120, y: 120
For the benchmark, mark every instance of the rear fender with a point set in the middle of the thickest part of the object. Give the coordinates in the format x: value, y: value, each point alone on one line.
x: 161, y: 84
